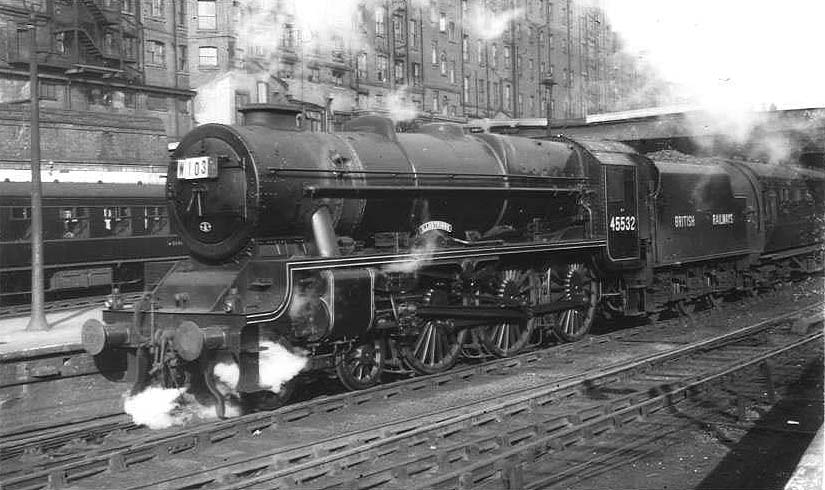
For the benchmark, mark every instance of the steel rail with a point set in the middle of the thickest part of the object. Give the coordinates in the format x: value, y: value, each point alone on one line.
x: 398, y: 476
x: 323, y: 458
x: 206, y: 435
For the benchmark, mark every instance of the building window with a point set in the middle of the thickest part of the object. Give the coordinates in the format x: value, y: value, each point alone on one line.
x: 451, y: 31
x: 60, y: 43
x: 435, y: 103
x: 155, y: 53
x: 183, y: 59
x: 398, y: 30
x: 262, y: 92
x: 129, y: 48
x: 482, y: 89
x: 416, y: 74
x: 381, y: 69
x: 288, y: 36
x: 127, y: 6
x: 494, y: 94
x: 314, y: 74
x: 466, y: 89
x: 155, y: 103
x: 465, y: 48
x: 442, y: 22
x: 241, y: 100
x: 494, y: 55
x: 443, y: 63
x: 130, y: 99
x: 338, y: 78
x: 287, y: 70
x: 47, y: 91
x: 445, y: 104
x: 156, y: 9
x: 452, y: 72
x: 208, y: 56
x: 507, y: 95
x: 380, y: 27
x: 434, y: 56
x: 399, y: 72
x: 521, y: 104
x: 361, y: 65
x: 480, y: 52
x: 181, y: 13
x: 414, y: 34
x: 207, y: 15
x: 507, y: 56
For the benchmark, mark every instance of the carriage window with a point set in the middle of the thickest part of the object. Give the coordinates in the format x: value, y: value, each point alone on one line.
x: 74, y: 223
x: 122, y: 225
x: 21, y: 214
x: 18, y: 226
x: 156, y: 220
x: 797, y: 194
x: 786, y: 193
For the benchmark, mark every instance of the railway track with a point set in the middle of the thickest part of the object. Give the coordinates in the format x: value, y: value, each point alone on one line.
x: 309, y: 443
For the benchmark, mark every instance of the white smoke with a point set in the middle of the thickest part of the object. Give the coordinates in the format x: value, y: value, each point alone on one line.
x: 421, y: 254
x: 161, y: 408
x: 157, y: 408
x: 400, y: 106
x: 277, y: 365
x: 731, y: 56
x: 487, y: 24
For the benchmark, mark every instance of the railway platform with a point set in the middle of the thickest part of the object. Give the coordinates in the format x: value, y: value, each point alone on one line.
x: 808, y: 474
x: 63, y: 336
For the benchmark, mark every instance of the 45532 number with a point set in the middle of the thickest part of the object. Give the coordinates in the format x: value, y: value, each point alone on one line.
x: 623, y: 223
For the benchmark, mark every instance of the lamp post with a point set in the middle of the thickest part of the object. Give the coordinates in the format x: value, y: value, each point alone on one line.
x: 37, y: 321
x: 548, y: 83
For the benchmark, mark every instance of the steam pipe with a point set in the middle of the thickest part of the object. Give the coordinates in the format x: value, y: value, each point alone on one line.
x: 324, y: 233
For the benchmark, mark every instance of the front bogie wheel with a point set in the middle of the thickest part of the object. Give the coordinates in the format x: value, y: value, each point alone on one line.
x: 361, y: 367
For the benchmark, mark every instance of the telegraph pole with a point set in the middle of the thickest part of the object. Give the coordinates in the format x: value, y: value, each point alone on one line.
x: 38, y: 315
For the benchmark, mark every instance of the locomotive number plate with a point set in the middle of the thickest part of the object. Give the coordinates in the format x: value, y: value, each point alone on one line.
x: 197, y: 168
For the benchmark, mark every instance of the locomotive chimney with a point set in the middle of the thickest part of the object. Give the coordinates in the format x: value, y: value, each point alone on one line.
x: 274, y: 116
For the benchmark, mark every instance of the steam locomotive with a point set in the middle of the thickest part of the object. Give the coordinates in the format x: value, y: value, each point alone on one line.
x: 371, y: 250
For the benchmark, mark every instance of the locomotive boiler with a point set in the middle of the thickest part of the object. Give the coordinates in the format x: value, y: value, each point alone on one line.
x: 371, y: 250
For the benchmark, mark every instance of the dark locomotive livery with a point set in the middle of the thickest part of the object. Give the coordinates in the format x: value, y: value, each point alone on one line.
x: 96, y: 236
x: 371, y: 250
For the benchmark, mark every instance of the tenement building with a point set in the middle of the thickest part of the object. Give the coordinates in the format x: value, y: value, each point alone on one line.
x: 125, y: 57
x: 442, y: 58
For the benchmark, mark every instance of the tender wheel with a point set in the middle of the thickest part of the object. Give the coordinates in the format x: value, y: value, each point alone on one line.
x: 506, y: 339
x: 574, y: 323
x: 361, y: 367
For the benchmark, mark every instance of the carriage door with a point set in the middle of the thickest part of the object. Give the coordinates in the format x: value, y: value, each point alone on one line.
x: 622, y: 212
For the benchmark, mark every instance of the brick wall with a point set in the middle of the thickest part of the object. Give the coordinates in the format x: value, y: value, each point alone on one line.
x: 82, y: 137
